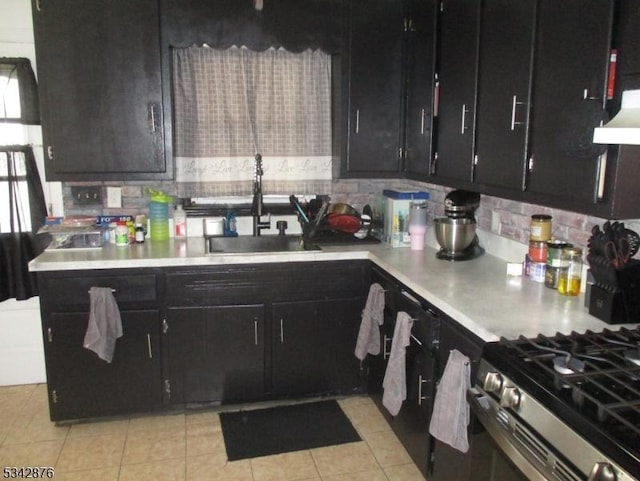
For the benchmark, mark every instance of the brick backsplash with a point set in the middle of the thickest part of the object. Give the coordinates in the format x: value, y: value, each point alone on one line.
x: 503, y: 217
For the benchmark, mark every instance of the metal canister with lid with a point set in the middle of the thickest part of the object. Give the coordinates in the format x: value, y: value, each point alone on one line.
x: 540, y: 228
x: 555, y: 262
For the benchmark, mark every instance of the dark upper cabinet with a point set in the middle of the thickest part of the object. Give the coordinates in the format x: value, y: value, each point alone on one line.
x: 457, y: 67
x: 419, y: 86
x: 101, y: 98
x: 569, y: 93
x: 504, y: 91
x: 373, y: 88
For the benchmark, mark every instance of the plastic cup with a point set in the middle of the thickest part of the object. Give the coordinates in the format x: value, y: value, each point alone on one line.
x: 416, y: 237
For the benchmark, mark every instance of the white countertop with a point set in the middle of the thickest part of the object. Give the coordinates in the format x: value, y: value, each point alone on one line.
x: 476, y: 293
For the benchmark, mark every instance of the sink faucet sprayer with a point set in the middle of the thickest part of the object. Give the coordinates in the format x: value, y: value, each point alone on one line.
x: 257, y: 206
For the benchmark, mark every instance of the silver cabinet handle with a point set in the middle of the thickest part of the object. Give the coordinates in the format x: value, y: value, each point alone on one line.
x: 422, y: 122
x: 281, y: 331
x: 49, y: 335
x: 420, y: 396
x: 255, y: 331
x: 464, y: 116
x: 152, y: 117
x: 165, y: 326
x: 357, y: 121
x: 385, y: 353
x: 514, y: 106
x: 149, y: 346
x: 411, y: 298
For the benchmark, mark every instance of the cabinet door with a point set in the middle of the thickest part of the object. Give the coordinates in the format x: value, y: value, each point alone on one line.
x: 572, y: 52
x: 504, y: 79
x: 420, y: 65
x: 82, y: 385
x: 99, y: 73
x: 447, y: 463
x: 313, y: 347
x: 457, y: 75
x: 215, y: 354
x: 375, y: 87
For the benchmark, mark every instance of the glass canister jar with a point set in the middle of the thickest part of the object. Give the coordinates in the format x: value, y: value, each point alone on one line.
x: 555, y: 262
x: 570, y: 276
x: 540, y: 228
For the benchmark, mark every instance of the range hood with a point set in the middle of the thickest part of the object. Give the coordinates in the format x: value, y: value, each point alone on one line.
x: 624, y: 128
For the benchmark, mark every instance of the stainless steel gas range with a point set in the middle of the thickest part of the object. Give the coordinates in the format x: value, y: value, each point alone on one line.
x: 563, y: 408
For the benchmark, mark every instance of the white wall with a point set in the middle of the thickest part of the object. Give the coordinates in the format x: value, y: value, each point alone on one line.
x: 21, y: 348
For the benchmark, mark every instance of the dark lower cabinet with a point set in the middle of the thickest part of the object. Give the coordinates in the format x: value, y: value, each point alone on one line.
x: 447, y: 463
x: 81, y: 385
x: 411, y: 424
x: 215, y: 354
x: 266, y: 331
x: 313, y: 347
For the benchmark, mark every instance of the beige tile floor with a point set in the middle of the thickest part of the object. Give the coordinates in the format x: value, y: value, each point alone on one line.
x: 186, y: 446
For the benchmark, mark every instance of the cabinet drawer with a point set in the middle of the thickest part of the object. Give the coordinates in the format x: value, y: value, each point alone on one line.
x: 72, y: 293
x: 253, y: 284
x: 215, y: 286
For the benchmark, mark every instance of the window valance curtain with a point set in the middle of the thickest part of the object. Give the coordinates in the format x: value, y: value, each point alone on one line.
x: 21, y: 191
x: 17, y: 73
x: 231, y: 104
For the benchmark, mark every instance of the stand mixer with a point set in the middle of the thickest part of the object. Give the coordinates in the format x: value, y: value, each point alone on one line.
x: 456, y: 233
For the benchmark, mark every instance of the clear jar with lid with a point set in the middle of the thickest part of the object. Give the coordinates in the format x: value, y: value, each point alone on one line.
x: 571, y: 276
x: 555, y: 262
x: 540, y: 228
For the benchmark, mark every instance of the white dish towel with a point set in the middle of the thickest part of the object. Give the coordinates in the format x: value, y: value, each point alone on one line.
x: 450, y: 416
x: 372, y: 316
x: 395, y: 377
x: 105, y: 325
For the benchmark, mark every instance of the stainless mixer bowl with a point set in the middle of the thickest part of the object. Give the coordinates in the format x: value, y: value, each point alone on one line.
x: 454, y: 235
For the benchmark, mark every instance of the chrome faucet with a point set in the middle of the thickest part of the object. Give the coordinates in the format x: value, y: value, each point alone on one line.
x: 257, y: 206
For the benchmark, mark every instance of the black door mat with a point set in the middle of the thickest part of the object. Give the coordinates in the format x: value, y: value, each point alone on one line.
x: 283, y: 429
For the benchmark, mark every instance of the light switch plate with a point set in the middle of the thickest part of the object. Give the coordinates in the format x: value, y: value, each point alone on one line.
x: 114, y: 197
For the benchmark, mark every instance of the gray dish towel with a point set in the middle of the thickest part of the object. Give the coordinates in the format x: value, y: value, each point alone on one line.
x: 105, y: 325
x: 450, y: 416
x: 372, y: 316
x: 395, y: 377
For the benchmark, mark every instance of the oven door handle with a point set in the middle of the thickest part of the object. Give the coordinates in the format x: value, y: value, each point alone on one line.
x: 480, y: 404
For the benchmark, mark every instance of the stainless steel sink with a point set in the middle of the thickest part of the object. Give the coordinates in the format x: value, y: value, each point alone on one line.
x: 248, y: 244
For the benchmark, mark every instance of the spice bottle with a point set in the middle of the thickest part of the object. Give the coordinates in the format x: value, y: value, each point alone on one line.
x: 122, y: 234
x: 570, y: 276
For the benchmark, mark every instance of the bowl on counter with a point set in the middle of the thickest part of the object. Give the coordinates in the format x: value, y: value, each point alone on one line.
x: 454, y: 235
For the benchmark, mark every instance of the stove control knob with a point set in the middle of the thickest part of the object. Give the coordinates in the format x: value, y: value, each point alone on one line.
x: 602, y: 472
x: 510, y: 398
x: 492, y: 382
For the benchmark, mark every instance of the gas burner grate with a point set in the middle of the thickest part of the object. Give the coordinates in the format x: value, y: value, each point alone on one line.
x: 607, y: 386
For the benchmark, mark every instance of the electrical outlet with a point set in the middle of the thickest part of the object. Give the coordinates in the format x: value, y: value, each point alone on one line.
x: 86, y: 195
x: 114, y: 197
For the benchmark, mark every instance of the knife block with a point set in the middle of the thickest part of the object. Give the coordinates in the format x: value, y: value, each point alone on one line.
x: 616, y: 300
